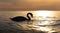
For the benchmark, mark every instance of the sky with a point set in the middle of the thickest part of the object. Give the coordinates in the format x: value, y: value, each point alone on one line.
x: 29, y: 5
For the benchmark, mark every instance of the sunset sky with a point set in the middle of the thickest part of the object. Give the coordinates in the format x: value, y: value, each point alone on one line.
x: 29, y: 5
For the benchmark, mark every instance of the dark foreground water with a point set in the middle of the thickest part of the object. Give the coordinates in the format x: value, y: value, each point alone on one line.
x: 18, y: 27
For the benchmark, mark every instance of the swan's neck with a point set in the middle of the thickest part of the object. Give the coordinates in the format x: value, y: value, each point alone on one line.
x: 28, y: 17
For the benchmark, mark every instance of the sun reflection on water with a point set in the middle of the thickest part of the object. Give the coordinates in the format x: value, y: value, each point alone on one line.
x: 44, y: 19
x: 43, y: 14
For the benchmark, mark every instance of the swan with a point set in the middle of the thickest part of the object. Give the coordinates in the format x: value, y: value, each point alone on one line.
x: 22, y: 18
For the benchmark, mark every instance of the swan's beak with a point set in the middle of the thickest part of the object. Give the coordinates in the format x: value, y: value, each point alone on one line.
x: 32, y: 16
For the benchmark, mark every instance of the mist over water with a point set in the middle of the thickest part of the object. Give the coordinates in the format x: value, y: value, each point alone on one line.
x: 35, y: 24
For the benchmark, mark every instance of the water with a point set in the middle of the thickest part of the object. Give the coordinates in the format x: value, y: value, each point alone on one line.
x: 33, y: 26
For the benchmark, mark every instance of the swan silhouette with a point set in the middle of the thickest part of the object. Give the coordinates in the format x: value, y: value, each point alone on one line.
x: 21, y: 18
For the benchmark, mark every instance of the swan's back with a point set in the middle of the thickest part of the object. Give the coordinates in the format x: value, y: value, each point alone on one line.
x: 19, y: 18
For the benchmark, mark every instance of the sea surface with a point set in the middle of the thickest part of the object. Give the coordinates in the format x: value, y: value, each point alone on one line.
x: 36, y: 25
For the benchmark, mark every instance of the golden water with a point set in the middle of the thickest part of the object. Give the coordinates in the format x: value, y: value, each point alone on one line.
x: 42, y: 21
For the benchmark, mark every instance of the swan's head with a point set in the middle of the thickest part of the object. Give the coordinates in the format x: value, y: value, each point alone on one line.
x: 30, y: 14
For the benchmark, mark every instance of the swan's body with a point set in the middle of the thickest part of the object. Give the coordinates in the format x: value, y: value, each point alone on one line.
x: 21, y: 18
